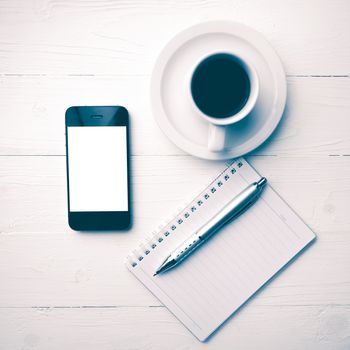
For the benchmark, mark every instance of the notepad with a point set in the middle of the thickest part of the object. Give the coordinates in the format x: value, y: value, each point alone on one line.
x: 222, y: 274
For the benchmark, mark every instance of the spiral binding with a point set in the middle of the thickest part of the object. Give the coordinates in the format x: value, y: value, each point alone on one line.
x: 181, y: 215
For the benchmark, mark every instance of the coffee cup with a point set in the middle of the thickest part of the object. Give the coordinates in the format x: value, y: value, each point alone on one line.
x: 224, y: 89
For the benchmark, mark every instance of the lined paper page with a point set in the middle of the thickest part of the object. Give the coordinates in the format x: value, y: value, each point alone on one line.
x: 221, y: 275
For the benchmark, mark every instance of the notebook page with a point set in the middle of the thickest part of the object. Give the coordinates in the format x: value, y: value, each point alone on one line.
x: 221, y: 275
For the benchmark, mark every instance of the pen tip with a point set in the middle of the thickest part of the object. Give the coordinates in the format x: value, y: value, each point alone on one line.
x: 155, y: 274
x: 262, y: 182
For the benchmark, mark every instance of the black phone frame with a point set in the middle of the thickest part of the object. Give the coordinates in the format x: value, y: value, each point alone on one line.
x: 98, y: 116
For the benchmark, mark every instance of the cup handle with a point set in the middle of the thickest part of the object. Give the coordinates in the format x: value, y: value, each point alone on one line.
x: 216, y: 139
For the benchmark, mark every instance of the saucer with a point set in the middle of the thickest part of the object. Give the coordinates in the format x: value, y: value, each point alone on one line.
x: 170, y: 88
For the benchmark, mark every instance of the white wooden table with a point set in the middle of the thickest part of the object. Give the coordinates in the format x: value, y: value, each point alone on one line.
x: 60, y: 289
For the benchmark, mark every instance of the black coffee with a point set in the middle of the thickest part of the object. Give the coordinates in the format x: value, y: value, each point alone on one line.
x: 220, y: 86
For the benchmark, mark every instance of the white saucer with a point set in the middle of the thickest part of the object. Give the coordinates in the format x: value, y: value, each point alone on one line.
x: 170, y: 88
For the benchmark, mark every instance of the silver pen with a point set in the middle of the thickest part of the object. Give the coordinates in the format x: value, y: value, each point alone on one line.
x: 232, y: 210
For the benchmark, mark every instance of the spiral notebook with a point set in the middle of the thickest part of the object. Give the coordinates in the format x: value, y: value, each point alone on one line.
x: 209, y: 286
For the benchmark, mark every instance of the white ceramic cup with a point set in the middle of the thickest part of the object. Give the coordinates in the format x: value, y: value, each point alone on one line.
x: 217, y: 126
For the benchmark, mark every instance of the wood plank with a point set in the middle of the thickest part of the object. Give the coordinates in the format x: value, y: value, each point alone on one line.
x: 44, y: 263
x: 304, y: 328
x: 107, y: 38
x: 33, y: 189
x: 32, y: 109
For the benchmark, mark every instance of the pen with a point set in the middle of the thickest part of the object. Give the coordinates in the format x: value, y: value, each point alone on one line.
x: 231, y: 210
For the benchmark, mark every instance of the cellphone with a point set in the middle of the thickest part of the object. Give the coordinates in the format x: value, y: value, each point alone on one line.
x: 98, y: 171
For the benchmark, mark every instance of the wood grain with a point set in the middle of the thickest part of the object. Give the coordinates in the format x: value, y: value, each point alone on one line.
x: 124, y: 37
x: 258, y: 327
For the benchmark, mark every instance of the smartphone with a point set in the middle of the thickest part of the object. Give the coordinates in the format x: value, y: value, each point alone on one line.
x: 98, y: 172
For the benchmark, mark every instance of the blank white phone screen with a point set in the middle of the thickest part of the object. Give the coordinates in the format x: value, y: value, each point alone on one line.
x: 97, y: 165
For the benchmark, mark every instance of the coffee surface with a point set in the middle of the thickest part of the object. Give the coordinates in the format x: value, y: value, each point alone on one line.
x: 220, y: 86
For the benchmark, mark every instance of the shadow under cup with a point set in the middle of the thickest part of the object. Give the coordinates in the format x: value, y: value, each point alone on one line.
x: 220, y: 85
